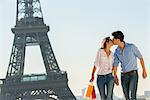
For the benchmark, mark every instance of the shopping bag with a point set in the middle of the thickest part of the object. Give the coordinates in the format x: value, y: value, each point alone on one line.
x: 93, y: 93
x: 89, y: 90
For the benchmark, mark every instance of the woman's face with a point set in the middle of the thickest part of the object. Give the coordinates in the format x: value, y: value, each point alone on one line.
x: 110, y: 43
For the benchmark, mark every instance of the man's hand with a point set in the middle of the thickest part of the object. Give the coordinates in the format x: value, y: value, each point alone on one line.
x: 116, y: 80
x: 144, y: 74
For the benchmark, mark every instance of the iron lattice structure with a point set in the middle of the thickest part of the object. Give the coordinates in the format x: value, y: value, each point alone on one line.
x: 30, y: 30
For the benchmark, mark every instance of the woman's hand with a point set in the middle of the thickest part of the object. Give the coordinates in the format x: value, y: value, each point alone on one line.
x: 92, y: 78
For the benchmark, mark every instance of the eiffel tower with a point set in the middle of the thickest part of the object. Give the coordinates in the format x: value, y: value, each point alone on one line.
x: 31, y: 30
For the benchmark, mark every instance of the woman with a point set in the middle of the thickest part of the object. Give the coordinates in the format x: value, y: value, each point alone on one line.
x: 104, y: 62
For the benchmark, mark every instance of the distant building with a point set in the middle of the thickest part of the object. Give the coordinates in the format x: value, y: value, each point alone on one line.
x: 83, y: 92
x: 147, y: 93
x: 146, y: 96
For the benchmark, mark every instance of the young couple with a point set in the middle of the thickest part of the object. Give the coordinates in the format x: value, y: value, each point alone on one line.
x: 106, y: 62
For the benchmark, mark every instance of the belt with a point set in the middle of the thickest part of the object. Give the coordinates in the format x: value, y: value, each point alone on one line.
x: 130, y: 72
x: 104, y: 75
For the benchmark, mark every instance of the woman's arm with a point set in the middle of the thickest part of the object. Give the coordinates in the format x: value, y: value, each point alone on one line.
x: 115, y: 75
x: 93, y: 72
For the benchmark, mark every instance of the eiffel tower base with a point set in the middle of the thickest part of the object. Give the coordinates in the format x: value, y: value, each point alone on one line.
x: 45, y: 88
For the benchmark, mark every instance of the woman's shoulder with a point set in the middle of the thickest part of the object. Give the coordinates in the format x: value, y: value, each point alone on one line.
x: 101, y: 50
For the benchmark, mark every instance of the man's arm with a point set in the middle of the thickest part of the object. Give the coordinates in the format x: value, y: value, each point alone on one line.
x: 144, y: 73
x: 139, y: 55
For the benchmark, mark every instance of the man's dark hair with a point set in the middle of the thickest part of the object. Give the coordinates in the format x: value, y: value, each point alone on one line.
x: 118, y: 35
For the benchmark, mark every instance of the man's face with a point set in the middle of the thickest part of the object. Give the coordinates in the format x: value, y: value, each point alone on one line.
x: 115, y: 41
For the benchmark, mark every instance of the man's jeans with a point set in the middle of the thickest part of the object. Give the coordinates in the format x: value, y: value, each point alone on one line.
x: 129, y: 83
x: 105, y: 85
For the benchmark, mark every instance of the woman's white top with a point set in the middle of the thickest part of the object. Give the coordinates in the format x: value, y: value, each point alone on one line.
x: 104, y: 63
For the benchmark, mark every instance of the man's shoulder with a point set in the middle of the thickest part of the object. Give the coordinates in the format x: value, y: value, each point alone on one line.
x: 130, y: 45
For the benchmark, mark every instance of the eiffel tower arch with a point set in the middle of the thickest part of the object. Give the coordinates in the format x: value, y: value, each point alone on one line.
x: 31, y: 30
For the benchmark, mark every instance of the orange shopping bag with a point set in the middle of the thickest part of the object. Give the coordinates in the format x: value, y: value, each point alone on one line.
x: 89, y: 90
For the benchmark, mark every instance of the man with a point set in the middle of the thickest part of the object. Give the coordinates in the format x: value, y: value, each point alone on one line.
x: 127, y: 55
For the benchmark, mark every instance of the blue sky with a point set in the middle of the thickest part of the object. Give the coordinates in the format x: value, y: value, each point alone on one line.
x: 76, y: 29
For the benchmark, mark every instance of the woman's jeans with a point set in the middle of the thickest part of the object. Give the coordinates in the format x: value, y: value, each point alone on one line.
x: 129, y: 83
x: 105, y: 85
